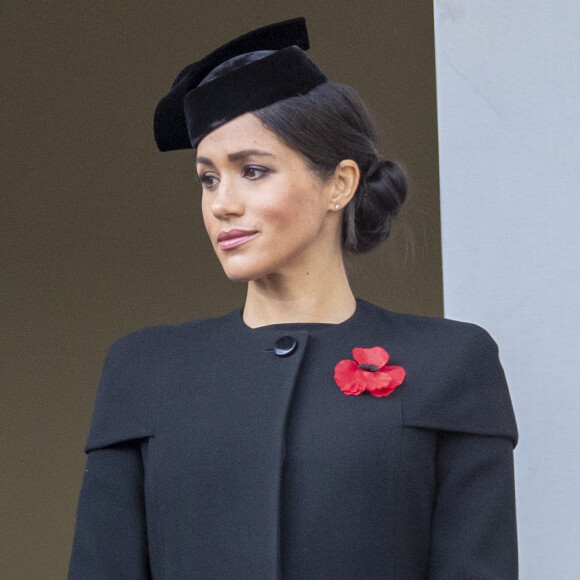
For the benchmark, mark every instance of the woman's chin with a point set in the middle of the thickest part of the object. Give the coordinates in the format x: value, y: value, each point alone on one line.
x: 240, y: 274
x: 249, y: 274
x: 236, y: 278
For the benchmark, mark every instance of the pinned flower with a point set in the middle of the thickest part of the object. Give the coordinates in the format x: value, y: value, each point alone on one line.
x: 368, y: 372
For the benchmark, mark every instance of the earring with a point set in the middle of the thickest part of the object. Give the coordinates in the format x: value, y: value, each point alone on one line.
x: 337, y: 206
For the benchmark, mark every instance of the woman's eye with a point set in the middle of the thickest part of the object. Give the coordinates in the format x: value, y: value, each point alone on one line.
x: 255, y: 172
x: 207, y: 180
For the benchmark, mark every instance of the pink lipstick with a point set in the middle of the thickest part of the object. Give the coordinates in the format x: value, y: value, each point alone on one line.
x: 234, y: 238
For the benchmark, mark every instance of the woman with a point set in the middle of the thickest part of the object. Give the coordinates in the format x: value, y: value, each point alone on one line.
x: 309, y: 435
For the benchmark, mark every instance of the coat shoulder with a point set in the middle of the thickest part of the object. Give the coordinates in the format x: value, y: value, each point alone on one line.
x: 423, y: 330
x: 455, y: 381
x: 135, y: 375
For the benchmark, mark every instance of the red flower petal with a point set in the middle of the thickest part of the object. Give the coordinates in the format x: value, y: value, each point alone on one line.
x: 377, y: 356
x: 383, y: 392
x: 345, y: 377
x: 396, y: 376
x: 397, y: 373
x: 372, y: 381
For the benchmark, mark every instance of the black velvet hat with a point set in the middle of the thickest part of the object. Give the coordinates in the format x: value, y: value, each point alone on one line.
x: 193, y: 108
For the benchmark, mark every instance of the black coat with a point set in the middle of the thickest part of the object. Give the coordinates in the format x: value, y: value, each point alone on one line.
x: 211, y: 457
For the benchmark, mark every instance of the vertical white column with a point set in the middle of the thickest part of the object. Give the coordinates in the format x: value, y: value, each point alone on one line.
x: 508, y: 89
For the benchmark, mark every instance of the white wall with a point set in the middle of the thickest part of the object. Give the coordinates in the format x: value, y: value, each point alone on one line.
x: 508, y: 89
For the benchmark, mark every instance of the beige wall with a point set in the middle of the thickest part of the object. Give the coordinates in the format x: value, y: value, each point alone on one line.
x: 101, y: 233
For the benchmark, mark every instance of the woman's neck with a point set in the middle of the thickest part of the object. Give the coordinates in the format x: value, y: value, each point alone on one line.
x: 325, y: 297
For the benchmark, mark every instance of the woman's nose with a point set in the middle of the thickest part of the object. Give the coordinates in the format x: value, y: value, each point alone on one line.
x: 226, y: 201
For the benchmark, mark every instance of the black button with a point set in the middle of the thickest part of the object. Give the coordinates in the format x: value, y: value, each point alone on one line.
x: 285, y: 346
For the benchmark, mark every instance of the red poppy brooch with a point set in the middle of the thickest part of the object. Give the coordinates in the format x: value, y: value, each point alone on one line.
x: 368, y: 372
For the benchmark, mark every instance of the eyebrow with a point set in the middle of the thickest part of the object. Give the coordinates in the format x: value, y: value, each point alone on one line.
x: 237, y: 156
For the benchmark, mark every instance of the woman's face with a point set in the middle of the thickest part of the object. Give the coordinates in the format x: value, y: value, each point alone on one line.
x: 265, y: 212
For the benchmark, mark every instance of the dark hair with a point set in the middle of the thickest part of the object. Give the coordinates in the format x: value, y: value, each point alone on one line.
x: 326, y: 125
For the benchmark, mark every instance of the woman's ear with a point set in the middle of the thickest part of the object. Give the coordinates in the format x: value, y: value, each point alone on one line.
x: 345, y: 182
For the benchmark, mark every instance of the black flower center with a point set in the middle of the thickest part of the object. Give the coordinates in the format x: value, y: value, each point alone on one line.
x: 371, y: 368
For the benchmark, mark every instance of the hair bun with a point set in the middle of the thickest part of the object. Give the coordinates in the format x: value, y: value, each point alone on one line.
x: 374, y: 169
x: 379, y: 197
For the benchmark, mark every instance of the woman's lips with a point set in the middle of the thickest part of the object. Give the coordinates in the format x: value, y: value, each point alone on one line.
x: 234, y: 238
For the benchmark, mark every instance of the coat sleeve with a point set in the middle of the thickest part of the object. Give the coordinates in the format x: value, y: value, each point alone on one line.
x: 111, y: 534
x: 110, y: 538
x: 473, y: 526
x: 474, y: 522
